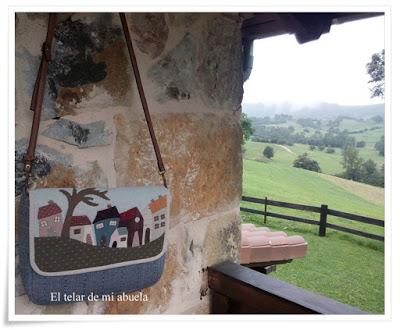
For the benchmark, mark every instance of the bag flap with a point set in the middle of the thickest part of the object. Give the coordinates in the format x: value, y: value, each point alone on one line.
x: 73, y: 231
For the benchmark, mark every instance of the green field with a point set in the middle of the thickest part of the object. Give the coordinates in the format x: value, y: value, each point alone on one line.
x: 329, y: 163
x: 342, y: 266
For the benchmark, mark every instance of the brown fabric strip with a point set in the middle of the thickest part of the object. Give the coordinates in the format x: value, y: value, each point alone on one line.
x: 38, y: 95
x: 142, y: 96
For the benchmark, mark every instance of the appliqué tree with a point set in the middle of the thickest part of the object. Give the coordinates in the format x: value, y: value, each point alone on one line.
x: 74, y: 199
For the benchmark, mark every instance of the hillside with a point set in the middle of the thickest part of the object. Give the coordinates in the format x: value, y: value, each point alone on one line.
x: 329, y: 163
x: 290, y: 184
x: 341, y: 266
x: 318, y: 111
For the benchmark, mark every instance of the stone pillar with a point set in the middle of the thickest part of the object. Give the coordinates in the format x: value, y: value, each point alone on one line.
x: 93, y: 133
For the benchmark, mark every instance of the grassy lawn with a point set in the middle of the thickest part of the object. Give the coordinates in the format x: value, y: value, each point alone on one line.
x: 344, y: 267
x: 339, y: 266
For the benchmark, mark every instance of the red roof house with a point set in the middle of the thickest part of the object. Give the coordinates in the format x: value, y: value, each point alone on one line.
x: 80, y: 220
x: 133, y: 220
x: 158, y: 204
x: 48, y: 210
x: 50, y: 222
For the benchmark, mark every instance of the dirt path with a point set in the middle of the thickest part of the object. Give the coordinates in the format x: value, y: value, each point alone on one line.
x: 373, y: 194
x: 286, y: 148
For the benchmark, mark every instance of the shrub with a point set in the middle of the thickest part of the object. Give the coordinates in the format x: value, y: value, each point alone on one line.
x: 246, y: 125
x: 360, y: 144
x: 371, y: 175
x: 380, y: 146
x: 303, y: 161
x: 268, y: 152
x: 330, y: 150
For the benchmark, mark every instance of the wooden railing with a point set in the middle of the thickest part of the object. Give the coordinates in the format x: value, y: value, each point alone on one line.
x: 323, y: 212
x: 240, y: 290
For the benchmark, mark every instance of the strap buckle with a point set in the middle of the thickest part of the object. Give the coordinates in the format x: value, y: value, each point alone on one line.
x: 28, y: 163
x: 162, y: 173
x: 27, y: 171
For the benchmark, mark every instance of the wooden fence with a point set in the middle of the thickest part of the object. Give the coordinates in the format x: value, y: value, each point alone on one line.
x: 323, y: 211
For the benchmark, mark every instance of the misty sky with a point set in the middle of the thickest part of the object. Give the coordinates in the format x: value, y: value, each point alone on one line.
x: 331, y: 69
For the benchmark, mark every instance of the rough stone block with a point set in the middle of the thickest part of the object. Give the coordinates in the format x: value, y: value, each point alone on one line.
x: 150, y: 32
x: 81, y: 135
x: 175, y: 72
x: 203, y: 161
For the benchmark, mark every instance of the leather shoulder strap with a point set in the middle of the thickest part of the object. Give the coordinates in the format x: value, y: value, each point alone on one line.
x: 38, y: 95
x: 142, y: 96
x: 39, y: 89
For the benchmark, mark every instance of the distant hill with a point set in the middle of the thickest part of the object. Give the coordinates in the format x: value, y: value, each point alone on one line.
x: 319, y: 111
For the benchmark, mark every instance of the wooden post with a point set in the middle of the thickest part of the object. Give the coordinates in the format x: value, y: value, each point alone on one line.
x: 323, y: 219
x: 265, y: 210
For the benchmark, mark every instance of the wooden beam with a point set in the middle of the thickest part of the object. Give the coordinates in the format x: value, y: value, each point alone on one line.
x: 271, y: 202
x: 356, y: 217
x: 356, y: 232
x: 280, y: 216
x: 306, y: 26
x: 237, y: 289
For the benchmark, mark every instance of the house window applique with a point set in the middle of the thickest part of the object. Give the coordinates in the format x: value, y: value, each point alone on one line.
x: 162, y: 216
x: 43, y: 223
x: 137, y: 219
x: 156, y: 226
x: 77, y: 231
x: 113, y: 223
x: 123, y: 239
x: 99, y: 225
x: 57, y: 218
x: 156, y: 218
x: 162, y: 224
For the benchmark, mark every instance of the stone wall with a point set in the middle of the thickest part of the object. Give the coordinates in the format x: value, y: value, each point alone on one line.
x: 93, y: 133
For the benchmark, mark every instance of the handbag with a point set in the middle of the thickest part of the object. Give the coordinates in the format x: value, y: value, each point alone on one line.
x: 91, y: 242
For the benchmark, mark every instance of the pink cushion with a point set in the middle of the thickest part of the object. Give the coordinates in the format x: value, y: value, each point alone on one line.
x: 265, y: 233
x: 248, y: 227
x: 262, y: 229
x: 245, y: 255
x: 259, y: 244
x: 296, y: 239
x: 278, y: 240
x: 245, y: 240
x: 258, y: 240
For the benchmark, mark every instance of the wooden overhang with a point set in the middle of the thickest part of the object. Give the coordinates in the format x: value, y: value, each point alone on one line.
x: 305, y: 26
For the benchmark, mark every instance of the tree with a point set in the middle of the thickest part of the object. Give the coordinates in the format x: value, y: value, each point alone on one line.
x: 376, y: 70
x: 360, y: 144
x: 74, y: 199
x: 303, y: 161
x: 380, y: 146
x: 371, y: 174
x: 268, y: 152
x: 247, y: 129
x: 377, y: 119
x: 352, y: 163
